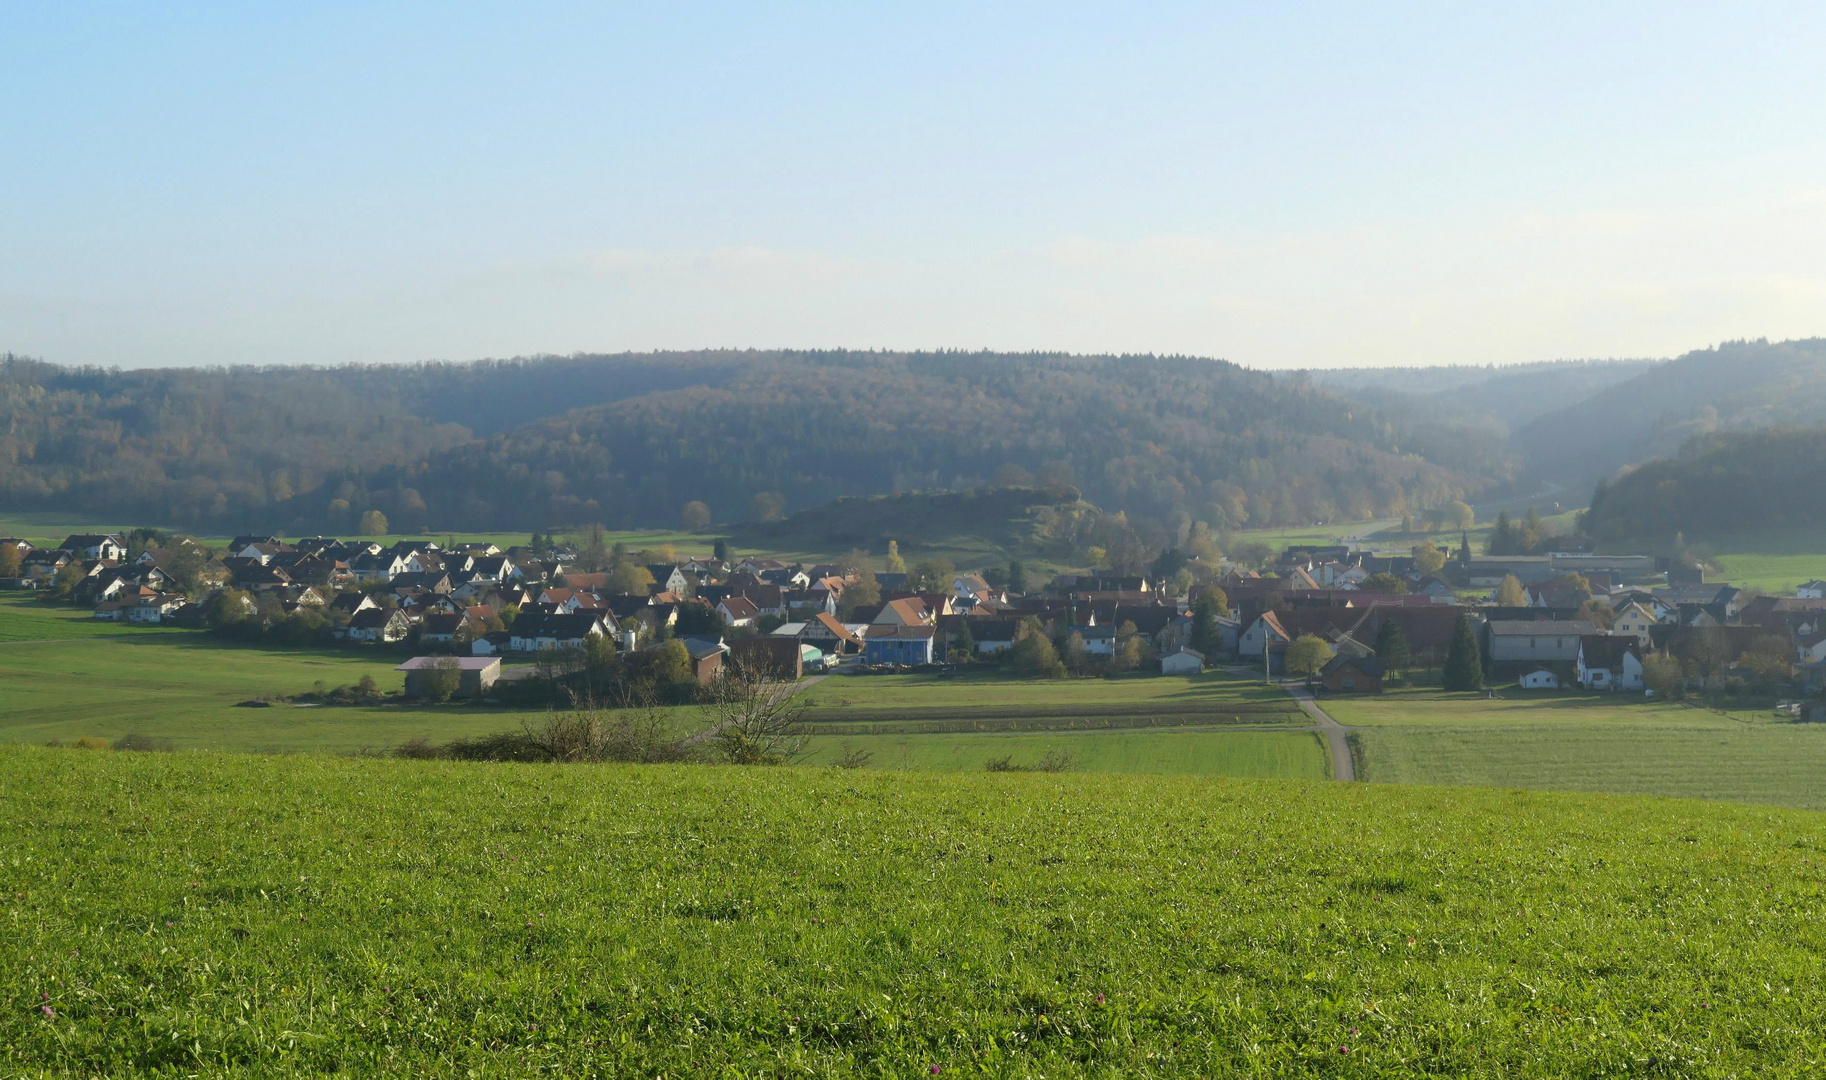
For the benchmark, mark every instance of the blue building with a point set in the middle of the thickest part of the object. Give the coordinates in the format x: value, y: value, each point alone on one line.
x: 898, y: 645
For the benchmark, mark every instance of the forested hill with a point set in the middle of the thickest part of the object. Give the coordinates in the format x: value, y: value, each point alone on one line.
x: 1157, y: 437
x: 628, y: 439
x: 1738, y: 386
x: 1720, y: 484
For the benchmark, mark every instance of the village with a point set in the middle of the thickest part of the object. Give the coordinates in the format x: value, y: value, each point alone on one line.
x: 1344, y: 617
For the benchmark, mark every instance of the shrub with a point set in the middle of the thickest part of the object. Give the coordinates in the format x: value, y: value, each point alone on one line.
x: 143, y: 743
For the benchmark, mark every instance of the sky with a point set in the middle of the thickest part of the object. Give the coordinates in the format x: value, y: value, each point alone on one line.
x: 1280, y: 185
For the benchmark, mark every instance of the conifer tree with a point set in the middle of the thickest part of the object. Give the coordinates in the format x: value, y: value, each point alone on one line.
x: 1464, y: 667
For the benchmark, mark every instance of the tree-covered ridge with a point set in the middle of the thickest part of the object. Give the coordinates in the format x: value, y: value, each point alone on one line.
x: 1156, y: 437
x: 1720, y: 484
x: 1737, y: 386
x: 629, y: 439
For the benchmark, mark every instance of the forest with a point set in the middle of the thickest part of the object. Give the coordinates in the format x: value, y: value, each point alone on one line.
x: 628, y: 440
x: 1719, y: 484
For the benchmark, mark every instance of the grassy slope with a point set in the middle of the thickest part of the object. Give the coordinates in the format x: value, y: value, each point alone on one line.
x: 1262, y: 754
x: 215, y: 913
x: 1579, y: 742
x: 1775, y: 562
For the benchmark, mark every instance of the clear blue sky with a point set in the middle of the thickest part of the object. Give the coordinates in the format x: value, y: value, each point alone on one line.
x: 1281, y: 185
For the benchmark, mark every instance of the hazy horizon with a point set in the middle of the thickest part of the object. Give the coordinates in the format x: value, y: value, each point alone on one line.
x: 1321, y: 188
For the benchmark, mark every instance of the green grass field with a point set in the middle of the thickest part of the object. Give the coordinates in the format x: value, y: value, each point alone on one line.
x: 1570, y: 741
x: 1263, y: 754
x: 203, y: 914
x: 23, y: 618
x: 1774, y: 563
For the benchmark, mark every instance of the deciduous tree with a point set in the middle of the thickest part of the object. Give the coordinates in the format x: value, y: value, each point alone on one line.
x: 1308, y: 654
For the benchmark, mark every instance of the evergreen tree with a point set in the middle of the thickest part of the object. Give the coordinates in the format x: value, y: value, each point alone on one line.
x: 1392, y: 647
x: 960, y: 648
x: 1464, y: 667
x: 1502, y: 536
x: 720, y: 549
x: 1207, y: 638
x: 1017, y: 577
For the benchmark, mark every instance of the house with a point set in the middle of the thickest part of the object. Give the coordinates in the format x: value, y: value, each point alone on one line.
x: 706, y: 656
x: 377, y: 626
x: 1608, y: 662
x: 154, y: 608
x: 1634, y: 620
x: 1184, y: 660
x: 1265, y: 634
x: 993, y: 635
x: 1813, y: 590
x: 804, y: 601
x: 828, y: 633
x: 737, y: 611
x: 349, y: 603
x: 41, y: 566
x: 475, y: 674
x: 1098, y: 640
x: 1539, y: 677
x: 535, y: 631
x: 1345, y: 674
x: 95, y: 546
x: 908, y: 611
x: 1546, y: 640
x: 768, y: 657
x: 445, y: 628
x: 891, y: 643
x: 669, y: 578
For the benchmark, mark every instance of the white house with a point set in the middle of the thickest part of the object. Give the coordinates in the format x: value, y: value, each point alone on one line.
x: 1265, y: 632
x: 1182, y: 661
x: 1541, y: 678
x: 1609, y: 663
x: 1813, y: 590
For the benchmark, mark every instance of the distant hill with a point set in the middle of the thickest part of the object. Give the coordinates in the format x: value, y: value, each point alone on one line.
x: 1017, y: 521
x: 1738, y: 386
x: 1720, y: 484
x: 1511, y: 395
x: 1159, y: 438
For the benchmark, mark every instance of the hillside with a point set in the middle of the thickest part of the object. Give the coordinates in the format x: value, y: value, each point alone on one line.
x: 1149, y: 436
x: 198, y: 912
x: 1507, y: 397
x: 1738, y: 386
x: 627, y: 440
x: 1719, y: 485
x: 1017, y: 521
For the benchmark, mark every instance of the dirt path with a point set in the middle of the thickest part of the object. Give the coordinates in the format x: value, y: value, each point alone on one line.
x: 1336, y: 734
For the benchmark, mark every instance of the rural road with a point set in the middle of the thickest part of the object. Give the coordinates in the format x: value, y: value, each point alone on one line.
x: 1336, y: 734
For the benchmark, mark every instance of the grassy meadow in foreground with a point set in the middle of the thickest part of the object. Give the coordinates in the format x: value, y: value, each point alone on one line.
x: 201, y: 913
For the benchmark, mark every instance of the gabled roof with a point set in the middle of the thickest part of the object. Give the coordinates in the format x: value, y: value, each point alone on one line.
x: 1542, y: 628
x: 739, y: 607
x: 1607, y: 651
x: 1369, y: 665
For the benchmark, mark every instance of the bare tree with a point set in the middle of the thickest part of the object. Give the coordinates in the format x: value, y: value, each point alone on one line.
x: 756, y: 720
x: 642, y: 731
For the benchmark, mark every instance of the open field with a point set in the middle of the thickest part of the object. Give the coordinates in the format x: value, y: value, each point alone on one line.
x: 213, y: 913
x: 1298, y: 755
x: 1569, y: 741
x: 982, y: 688
x: 23, y: 618
x: 1775, y: 562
